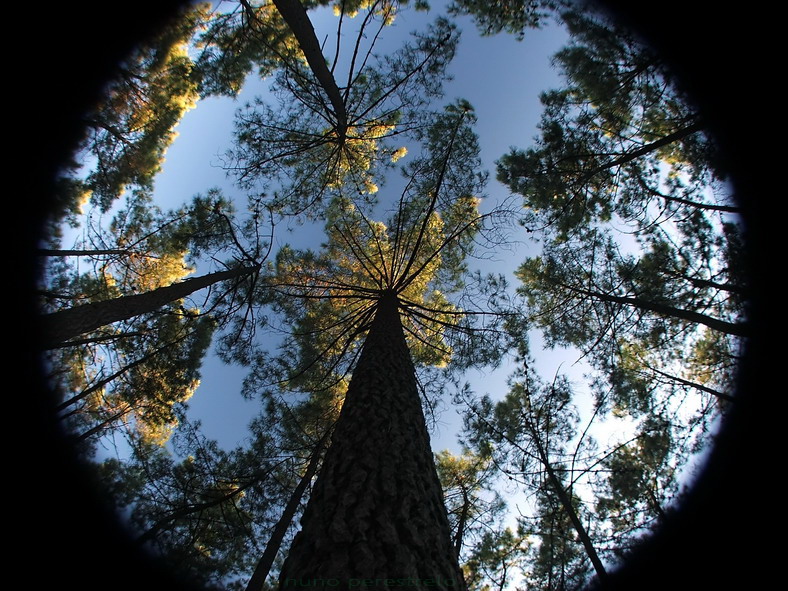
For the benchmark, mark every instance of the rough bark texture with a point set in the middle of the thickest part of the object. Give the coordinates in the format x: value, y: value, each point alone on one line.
x: 376, y: 517
x: 60, y: 326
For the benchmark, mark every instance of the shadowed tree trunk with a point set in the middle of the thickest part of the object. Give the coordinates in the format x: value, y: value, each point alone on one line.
x: 461, y: 524
x: 295, y: 16
x: 103, y: 382
x: 566, y: 503
x: 52, y: 252
x: 376, y: 511
x: 665, y: 310
x: 257, y: 582
x: 58, y: 327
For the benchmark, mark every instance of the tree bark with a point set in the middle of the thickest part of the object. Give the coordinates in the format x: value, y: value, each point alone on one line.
x: 295, y: 16
x: 665, y: 310
x: 58, y: 327
x: 376, y: 513
x: 263, y: 567
x: 566, y: 503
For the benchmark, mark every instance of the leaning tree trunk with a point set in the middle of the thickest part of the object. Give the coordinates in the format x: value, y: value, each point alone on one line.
x: 376, y: 515
x: 257, y: 582
x: 58, y: 327
x: 566, y: 503
x: 294, y: 14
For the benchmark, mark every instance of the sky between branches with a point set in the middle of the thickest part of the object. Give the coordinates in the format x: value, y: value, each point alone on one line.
x: 500, y: 76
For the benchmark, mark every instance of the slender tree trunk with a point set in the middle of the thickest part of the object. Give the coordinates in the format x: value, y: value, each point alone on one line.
x: 58, y: 327
x: 103, y: 382
x: 645, y: 149
x: 731, y: 328
x: 376, y: 511
x: 102, y: 425
x: 699, y: 205
x: 295, y: 16
x: 99, y: 339
x: 566, y: 503
x: 187, y: 510
x: 655, y: 506
x: 50, y: 252
x: 461, y: 524
x: 151, y: 532
x: 701, y: 387
x: 729, y: 287
x: 280, y: 529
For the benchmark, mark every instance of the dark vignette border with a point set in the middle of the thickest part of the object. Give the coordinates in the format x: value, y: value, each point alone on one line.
x: 63, y: 536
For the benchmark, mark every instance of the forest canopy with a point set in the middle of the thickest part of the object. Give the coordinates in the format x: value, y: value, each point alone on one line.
x: 349, y: 269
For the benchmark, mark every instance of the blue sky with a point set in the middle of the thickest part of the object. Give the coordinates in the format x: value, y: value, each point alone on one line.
x: 500, y: 76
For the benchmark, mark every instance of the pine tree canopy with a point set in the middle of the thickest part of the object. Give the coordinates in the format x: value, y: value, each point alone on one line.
x: 443, y: 381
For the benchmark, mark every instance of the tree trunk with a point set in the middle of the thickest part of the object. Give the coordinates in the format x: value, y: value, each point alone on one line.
x: 461, y: 524
x: 58, y: 327
x: 256, y: 583
x: 699, y: 205
x: 99, y: 339
x: 645, y: 149
x: 566, y: 503
x: 665, y: 310
x: 701, y: 387
x: 376, y: 513
x: 51, y: 252
x: 103, y: 382
x: 295, y: 16
x: 102, y: 425
x: 187, y: 510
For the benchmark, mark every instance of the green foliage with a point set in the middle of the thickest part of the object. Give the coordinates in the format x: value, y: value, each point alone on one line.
x: 238, y: 38
x: 208, y: 513
x: 193, y: 509
x: 645, y: 322
x: 640, y: 269
x: 136, y: 381
x: 618, y: 140
x: 641, y: 482
x: 620, y: 150
x: 140, y: 249
x: 327, y: 298
x: 496, y: 561
x: 530, y: 427
x: 134, y: 374
x: 512, y: 16
x: 241, y: 37
x: 129, y: 132
x: 310, y: 150
x: 558, y: 561
x: 471, y: 501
